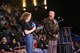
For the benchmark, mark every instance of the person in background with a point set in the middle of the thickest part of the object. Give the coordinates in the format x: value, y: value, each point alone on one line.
x: 5, y: 46
x: 36, y: 49
x: 14, y: 44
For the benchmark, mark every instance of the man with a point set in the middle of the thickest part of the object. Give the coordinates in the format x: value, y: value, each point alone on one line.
x: 52, y: 28
x: 5, y: 46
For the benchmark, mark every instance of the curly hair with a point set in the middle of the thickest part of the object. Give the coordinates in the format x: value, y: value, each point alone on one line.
x: 24, y: 16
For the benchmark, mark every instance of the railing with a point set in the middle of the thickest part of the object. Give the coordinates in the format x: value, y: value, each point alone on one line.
x: 65, y: 40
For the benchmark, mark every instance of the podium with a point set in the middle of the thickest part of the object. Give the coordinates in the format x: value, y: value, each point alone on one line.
x: 65, y: 40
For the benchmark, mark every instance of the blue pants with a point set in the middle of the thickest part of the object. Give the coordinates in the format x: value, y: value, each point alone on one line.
x: 28, y: 39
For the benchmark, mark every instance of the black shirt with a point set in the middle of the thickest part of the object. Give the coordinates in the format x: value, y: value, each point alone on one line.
x: 27, y: 26
x: 6, y: 47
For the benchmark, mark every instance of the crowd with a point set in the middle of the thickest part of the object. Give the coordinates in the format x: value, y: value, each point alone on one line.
x: 11, y: 35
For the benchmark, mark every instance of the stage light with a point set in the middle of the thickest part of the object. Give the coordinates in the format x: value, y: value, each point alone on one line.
x: 24, y: 9
x: 23, y: 3
x: 36, y: 9
x: 45, y: 2
x: 35, y: 2
x: 45, y: 7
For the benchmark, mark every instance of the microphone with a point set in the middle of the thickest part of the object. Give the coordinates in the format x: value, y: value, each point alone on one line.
x: 61, y: 19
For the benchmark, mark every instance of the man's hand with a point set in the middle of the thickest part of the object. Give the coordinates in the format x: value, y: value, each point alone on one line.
x: 55, y: 36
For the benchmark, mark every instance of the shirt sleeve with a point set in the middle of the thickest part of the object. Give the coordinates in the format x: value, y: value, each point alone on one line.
x: 33, y: 24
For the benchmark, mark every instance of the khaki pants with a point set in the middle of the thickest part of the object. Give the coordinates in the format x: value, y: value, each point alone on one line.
x: 52, y: 46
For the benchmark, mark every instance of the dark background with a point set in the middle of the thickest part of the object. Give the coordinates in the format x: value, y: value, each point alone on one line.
x: 69, y: 11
